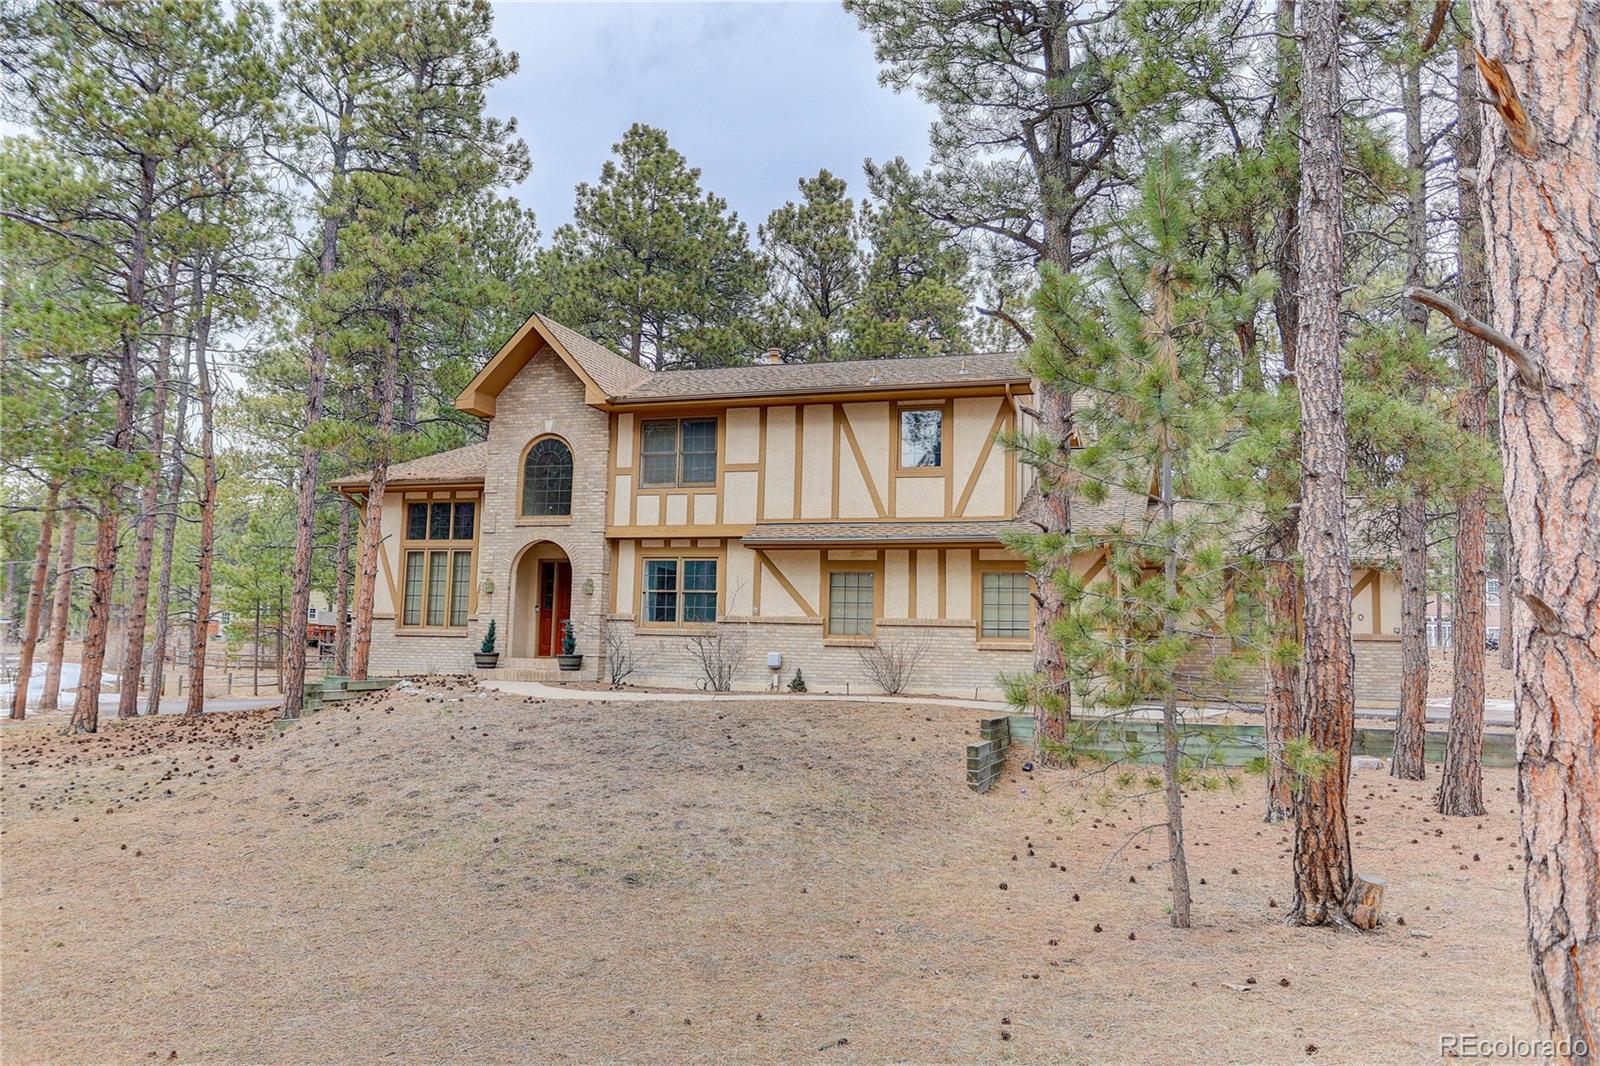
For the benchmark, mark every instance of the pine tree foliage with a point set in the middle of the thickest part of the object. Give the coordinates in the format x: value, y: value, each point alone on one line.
x: 652, y: 265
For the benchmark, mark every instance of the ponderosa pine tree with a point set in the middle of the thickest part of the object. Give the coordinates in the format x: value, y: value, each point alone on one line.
x: 1323, y: 871
x: 334, y: 66
x: 1142, y: 345
x: 1540, y: 194
x: 914, y: 294
x: 813, y: 258
x: 435, y: 151
x: 653, y: 266
x: 126, y: 92
x: 1024, y: 154
x: 1461, y: 777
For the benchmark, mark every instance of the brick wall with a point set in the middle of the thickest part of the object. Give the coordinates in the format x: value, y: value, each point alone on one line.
x: 953, y: 666
x: 544, y: 398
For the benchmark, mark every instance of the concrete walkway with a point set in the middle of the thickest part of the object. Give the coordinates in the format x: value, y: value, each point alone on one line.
x: 543, y: 691
x: 1496, y: 712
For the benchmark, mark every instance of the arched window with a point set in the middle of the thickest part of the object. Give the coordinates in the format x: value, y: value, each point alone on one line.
x: 547, y: 479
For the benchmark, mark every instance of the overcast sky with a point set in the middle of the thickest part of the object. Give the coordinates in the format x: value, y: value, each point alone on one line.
x: 756, y: 95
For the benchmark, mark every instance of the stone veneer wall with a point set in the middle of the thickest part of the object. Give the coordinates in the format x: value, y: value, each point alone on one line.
x: 545, y: 398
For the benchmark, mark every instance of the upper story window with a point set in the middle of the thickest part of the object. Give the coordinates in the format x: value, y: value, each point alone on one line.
x: 922, y: 438
x: 678, y: 451
x: 1491, y: 591
x: 547, y: 479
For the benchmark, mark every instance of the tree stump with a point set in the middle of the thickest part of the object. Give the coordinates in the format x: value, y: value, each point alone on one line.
x: 1365, y: 901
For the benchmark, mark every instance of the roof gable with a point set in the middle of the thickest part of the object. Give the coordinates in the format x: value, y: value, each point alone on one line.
x: 603, y: 372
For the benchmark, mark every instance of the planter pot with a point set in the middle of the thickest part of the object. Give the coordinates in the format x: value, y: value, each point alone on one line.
x: 486, y: 660
x: 570, y: 662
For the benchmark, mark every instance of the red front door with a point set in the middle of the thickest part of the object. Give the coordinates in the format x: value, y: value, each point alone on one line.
x: 555, y: 604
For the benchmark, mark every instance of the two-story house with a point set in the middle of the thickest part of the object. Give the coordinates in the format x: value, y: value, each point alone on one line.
x: 813, y: 509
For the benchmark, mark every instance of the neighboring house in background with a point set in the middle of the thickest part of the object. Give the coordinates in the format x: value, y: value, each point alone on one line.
x: 810, y: 510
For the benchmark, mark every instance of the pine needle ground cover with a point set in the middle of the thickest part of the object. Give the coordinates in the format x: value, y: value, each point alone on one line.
x: 450, y: 874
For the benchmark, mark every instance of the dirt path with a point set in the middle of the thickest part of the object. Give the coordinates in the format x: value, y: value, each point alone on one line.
x: 457, y: 875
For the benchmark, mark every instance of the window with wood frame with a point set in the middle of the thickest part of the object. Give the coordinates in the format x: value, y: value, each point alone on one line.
x: 676, y: 452
x: 852, y: 603
x: 547, y: 479
x: 921, y: 438
x: 678, y: 590
x: 436, y: 567
x: 1005, y: 605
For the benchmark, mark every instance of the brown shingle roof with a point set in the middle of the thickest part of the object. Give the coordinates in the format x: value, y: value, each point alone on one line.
x: 610, y: 371
x: 800, y: 533
x: 847, y: 376
x: 457, y: 464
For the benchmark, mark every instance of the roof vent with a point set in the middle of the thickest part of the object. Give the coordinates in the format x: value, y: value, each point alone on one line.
x: 773, y: 357
x: 963, y: 372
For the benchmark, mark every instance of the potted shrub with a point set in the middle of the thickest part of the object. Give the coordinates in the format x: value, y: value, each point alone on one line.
x: 486, y: 657
x: 569, y: 659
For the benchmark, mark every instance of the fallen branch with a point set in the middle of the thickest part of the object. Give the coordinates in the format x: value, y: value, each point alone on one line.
x: 1528, y: 368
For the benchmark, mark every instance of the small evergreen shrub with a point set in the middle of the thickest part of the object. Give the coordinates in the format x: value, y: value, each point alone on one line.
x: 487, y: 647
x: 797, y: 683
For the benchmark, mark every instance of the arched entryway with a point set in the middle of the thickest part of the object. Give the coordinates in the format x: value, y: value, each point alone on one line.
x: 541, y: 601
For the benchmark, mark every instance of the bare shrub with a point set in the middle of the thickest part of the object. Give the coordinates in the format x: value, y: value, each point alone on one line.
x: 891, y: 664
x: 718, y: 651
x: 623, y: 656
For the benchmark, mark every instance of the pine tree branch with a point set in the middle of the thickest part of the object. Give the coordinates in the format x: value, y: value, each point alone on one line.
x: 1528, y: 367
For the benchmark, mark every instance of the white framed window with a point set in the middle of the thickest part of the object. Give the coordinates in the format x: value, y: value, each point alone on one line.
x: 922, y: 438
x: 678, y: 591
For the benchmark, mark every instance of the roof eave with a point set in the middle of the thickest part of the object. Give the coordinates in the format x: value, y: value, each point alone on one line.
x: 626, y: 401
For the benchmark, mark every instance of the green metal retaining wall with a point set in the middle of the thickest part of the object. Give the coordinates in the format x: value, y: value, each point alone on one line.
x: 1236, y: 745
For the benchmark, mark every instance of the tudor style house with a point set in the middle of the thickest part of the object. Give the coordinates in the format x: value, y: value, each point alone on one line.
x: 808, y: 510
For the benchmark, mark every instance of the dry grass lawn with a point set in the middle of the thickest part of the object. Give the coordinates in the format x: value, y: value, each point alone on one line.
x: 454, y: 875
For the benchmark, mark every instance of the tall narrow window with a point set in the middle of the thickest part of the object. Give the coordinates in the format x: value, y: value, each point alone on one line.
x: 547, y: 479
x: 698, y: 442
x: 851, y: 603
x: 412, y: 615
x: 438, y: 575
x: 699, y: 590
x: 460, y: 587
x: 658, y: 448
x: 661, y: 590
x: 921, y: 438
x: 1004, y: 614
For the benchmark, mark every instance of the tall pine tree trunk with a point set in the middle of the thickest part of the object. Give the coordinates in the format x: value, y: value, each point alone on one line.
x: 1461, y: 783
x: 86, y: 708
x: 199, y: 635
x: 1412, y: 717
x: 60, y: 608
x: 341, y: 564
x: 144, y: 553
x: 35, y: 608
x: 1177, y: 854
x: 1322, y: 863
x: 1507, y: 601
x: 1540, y: 184
x: 1054, y: 171
x: 371, y: 532
x: 1411, y: 721
x: 305, y: 528
x: 1284, y: 601
x: 169, y: 534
